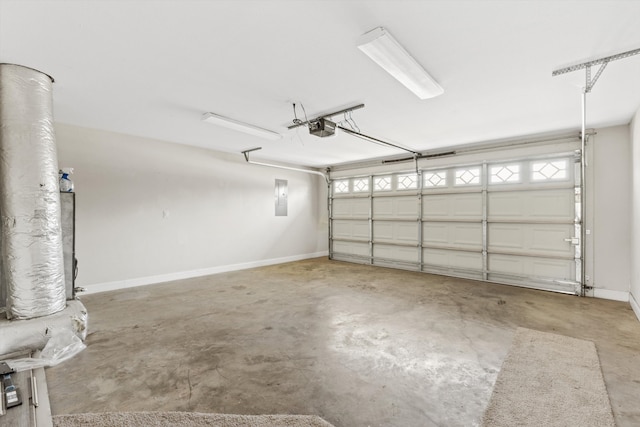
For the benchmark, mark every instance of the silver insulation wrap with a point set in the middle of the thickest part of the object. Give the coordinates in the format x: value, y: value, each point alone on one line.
x: 31, y: 240
x: 33, y: 334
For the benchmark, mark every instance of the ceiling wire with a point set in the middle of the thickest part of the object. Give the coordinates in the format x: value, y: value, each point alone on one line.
x: 297, y: 121
x: 354, y: 126
x: 341, y: 122
x: 351, y: 123
x: 305, y: 112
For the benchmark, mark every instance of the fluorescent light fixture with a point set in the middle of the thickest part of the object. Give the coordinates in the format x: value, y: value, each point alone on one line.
x: 240, y: 126
x: 385, y: 51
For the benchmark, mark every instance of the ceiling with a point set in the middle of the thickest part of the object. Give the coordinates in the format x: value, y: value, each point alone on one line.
x: 152, y: 68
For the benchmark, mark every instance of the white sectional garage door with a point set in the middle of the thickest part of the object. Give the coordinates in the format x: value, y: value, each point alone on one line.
x: 515, y: 222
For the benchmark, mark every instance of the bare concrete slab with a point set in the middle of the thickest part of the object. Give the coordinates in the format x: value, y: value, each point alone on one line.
x: 355, y: 345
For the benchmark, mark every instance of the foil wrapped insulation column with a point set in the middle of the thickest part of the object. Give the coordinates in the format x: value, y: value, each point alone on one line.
x: 31, y: 239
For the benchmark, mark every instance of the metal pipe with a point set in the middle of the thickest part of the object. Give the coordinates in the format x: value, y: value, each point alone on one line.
x: 34, y: 390
x: 329, y: 219
x: 3, y: 407
x: 485, y: 222
x: 246, y: 157
x: 404, y: 159
x: 376, y: 140
x: 371, y: 243
x: 583, y: 177
x: 420, y: 219
x: 290, y: 168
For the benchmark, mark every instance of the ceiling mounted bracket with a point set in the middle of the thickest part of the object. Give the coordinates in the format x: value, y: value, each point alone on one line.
x: 246, y: 152
x: 589, y: 84
x: 587, y: 65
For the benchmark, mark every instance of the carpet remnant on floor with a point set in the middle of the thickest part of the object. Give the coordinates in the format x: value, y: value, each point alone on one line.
x: 191, y: 419
x: 549, y: 380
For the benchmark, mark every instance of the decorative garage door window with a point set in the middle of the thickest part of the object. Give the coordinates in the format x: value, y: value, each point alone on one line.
x: 360, y: 185
x: 435, y: 179
x: 341, y: 186
x: 468, y: 176
x: 549, y: 170
x: 502, y: 174
x: 382, y: 183
x: 407, y: 181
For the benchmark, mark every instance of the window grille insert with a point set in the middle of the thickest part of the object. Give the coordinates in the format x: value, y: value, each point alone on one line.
x: 382, y: 183
x: 468, y: 176
x: 435, y: 179
x: 549, y: 170
x: 360, y: 185
x: 341, y: 186
x: 407, y: 181
x: 502, y: 174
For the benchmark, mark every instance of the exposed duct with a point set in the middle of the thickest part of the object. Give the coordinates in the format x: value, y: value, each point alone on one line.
x: 31, y: 241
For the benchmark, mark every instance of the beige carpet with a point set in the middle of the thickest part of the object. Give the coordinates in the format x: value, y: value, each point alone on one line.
x: 174, y: 419
x: 549, y: 380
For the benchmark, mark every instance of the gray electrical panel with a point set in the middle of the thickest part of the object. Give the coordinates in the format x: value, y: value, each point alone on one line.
x: 281, y: 197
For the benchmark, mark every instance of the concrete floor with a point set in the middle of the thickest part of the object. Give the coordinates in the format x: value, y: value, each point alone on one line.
x: 357, y: 345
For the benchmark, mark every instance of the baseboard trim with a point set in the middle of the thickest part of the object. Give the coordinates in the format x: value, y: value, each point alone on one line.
x: 612, y: 295
x: 634, y: 305
x: 152, y: 280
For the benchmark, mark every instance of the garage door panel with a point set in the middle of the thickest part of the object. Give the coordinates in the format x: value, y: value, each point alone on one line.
x: 351, y: 248
x: 451, y: 234
x: 538, y: 205
x: 395, y: 207
x: 532, y: 267
x: 547, y: 239
x: 398, y: 253
x: 351, y: 208
x: 400, y: 232
x: 346, y: 229
x: 452, y: 259
x: 452, y: 206
x: 508, y: 222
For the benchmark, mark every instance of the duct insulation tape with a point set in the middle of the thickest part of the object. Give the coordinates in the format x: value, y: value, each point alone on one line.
x: 31, y: 236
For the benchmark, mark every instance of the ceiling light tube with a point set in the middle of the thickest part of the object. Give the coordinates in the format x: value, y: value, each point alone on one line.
x: 240, y: 126
x: 385, y: 51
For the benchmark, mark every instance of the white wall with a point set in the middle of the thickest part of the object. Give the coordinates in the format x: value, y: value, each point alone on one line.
x: 609, y: 212
x: 635, y: 214
x: 150, y: 211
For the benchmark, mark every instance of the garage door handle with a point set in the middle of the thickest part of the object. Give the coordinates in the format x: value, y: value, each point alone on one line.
x: 574, y: 241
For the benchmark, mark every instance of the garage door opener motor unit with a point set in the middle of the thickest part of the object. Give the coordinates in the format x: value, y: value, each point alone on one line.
x: 322, y: 127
